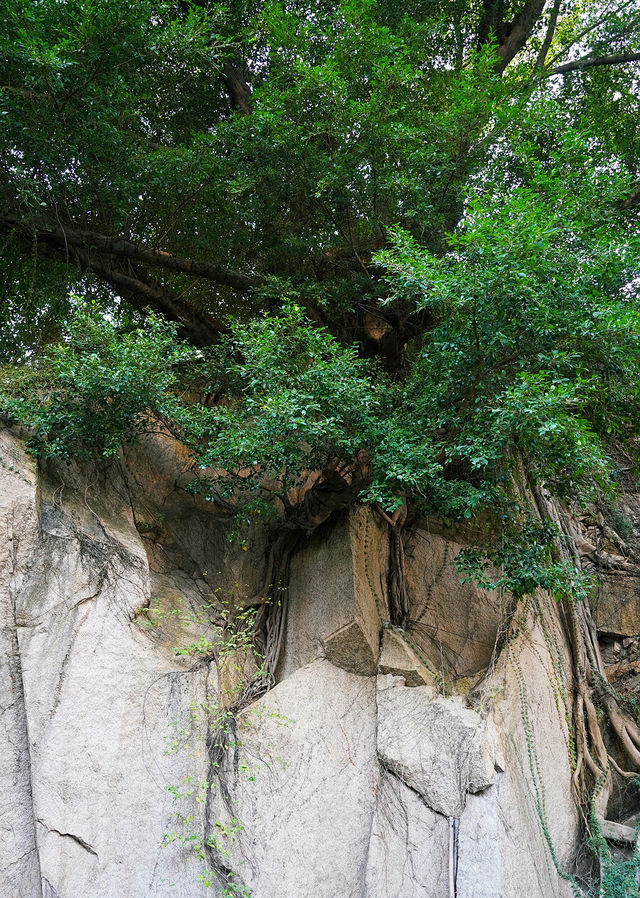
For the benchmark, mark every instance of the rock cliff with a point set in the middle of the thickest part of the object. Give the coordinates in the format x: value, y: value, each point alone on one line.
x: 428, y: 761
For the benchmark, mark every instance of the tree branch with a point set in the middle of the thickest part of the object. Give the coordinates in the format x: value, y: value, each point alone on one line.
x: 23, y: 93
x: 586, y: 62
x: 237, y: 88
x: 519, y: 32
x: 135, y: 286
x: 128, y: 249
x: 592, y: 27
x: 548, y: 38
x: 511, y: 36
x: 633, y: 199
x: 200, y: 328
x: 105, y: 257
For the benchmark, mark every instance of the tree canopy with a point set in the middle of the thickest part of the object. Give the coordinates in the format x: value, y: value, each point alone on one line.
x: 392, y: 244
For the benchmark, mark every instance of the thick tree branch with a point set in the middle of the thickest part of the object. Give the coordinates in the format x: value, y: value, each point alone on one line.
x: 91, y: 241
x: 123, y: 265
x: 234, y: 72
x: 126, y: 266
x: 511, y: 36
x: 519, y: 32
x: 633, y: 199
x: 200, y: 328
x: 490, y: 21
x: 587, y: 62
x: 548, y: 38
x: 131, y: 284
x: 237, y: 88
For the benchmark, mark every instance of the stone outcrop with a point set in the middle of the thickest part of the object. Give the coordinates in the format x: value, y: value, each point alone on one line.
x: 453, y: 624
x: 98, y: 698
x: 302, y: 780
x: 337, y: 597
x: 386, y: 762
x: 435, y: 745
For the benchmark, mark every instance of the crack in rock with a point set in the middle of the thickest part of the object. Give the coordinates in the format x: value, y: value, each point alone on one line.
x: 78, y: 839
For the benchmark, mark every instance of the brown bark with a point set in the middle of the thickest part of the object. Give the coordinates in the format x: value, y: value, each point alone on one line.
x: 237, y: 87
x: 511, y: 36
x: 548, y: 38
x: 92, y: 241
x: 519, y: 32
x: 587, y: 62
x: 200, y: 328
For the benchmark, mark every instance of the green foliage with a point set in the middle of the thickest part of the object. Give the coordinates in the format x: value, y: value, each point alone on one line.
x: 298, y: 401
x: 88, y: 394
x: 219, y: 842
x: 618, y: 878
x: 534, y: 347
x: 508, y: 268
x: 523, y: 562
x: 364, y: 116
x: 529, y: 338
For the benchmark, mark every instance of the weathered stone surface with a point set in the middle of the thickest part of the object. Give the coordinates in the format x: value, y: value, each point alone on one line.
x: 302, y: 786
x: 503, y: 852
x: 103, y: 574
x: 409, y: 849
x: 619, y: 832
x: 436, y: 746
x: 337, y: 597
x: 19, y: 861
x: 480, y: 872
x: 237, y: 668
x: 454, y: 624
x: 399, y: 659
x: 349, y: 649
x: 100, y: 697
x: 616, y: 604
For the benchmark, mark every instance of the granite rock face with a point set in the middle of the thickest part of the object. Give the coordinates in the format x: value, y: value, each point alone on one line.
x: 435, y: 745
x: 455, y: 624
x: 19, y: 859
x: 125, y: 772
x: 337, y: 597
x: 97, y: 699
x: 302, y: 779
x: 409, y: 846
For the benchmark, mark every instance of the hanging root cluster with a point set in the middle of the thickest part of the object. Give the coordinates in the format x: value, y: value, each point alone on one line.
x: 593, y: 763
x: 330, y: 494
x: 271, y: 619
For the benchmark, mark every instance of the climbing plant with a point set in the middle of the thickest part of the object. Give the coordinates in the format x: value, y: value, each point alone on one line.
x: 226, y: 638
